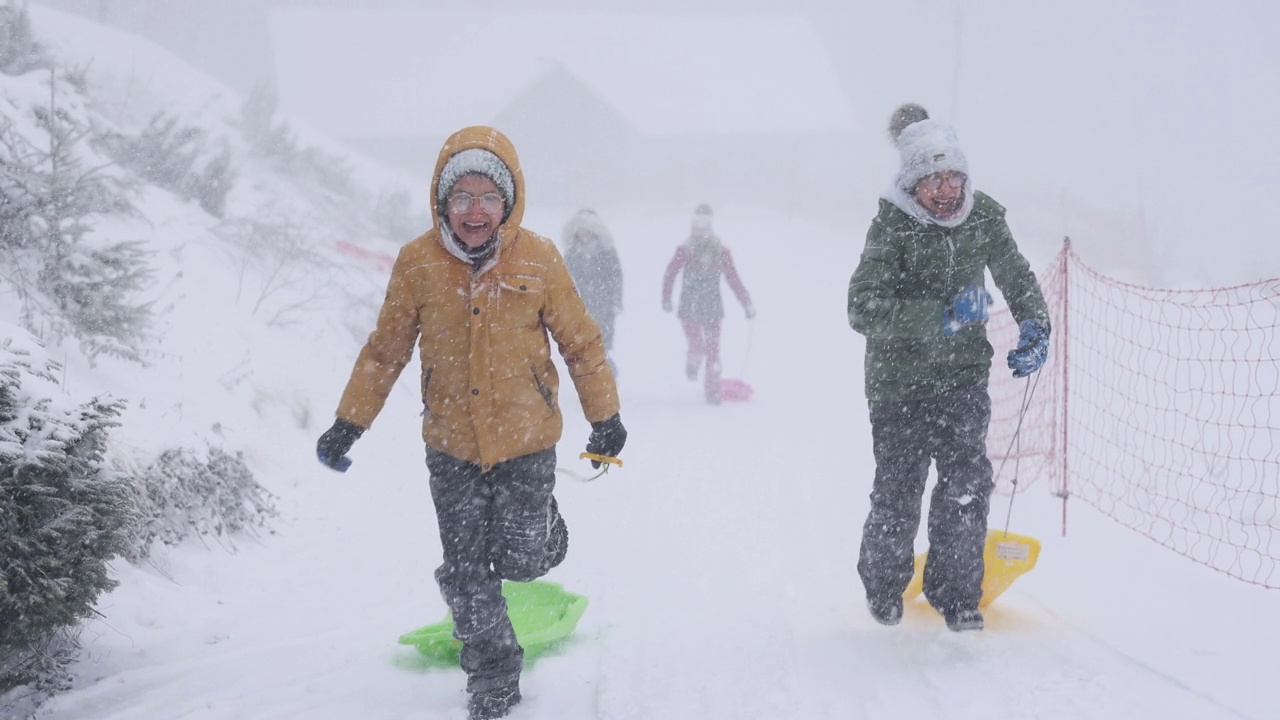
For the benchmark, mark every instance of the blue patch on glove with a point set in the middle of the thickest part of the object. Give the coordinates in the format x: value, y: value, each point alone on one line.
x: 1032, y: 350
x: 340, y: 463
x: 969, y: 307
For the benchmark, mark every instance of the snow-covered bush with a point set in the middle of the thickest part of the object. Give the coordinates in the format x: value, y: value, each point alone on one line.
x: 177, y: 158
x: 278, y: 267
x: 184, y: 492
x: 63, y: 513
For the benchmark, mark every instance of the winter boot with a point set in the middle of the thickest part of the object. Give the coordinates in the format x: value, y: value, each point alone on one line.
x: 557, y: 535
x: 886, y: 612
x: 962, y: 620
x: 691, y: 368
x: 492, y: 704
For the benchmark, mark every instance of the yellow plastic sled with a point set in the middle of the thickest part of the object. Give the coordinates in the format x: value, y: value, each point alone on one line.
x: 1007, y: 556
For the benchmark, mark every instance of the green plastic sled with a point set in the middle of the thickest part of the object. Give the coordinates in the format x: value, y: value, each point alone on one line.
x: 542, y: 614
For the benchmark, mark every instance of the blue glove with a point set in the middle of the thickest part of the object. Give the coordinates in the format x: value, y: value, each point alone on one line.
x: 969, y: 307
x: 1032, y: 350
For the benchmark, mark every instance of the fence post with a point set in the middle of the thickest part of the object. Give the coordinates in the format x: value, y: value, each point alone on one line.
x: 1064, y: 337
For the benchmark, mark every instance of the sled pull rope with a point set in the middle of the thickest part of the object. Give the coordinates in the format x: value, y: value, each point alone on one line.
x: 746, y: 356
x: 1015, y: 446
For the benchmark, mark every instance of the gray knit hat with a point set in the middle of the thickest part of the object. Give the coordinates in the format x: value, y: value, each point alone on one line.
x: 476, y: 161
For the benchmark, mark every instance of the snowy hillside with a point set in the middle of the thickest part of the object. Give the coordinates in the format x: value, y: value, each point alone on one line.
x: 719, y: 561
x: 224, y: 298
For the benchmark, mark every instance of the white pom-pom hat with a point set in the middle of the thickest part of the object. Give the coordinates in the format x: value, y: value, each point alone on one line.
x: 925, y: 146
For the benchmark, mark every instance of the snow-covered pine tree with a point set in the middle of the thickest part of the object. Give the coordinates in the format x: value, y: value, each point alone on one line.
x: 178, y: 158
x: 19, y: 52
x: 258, y: 125
x: 63, y: 514
x: 275, y: 141
x: 211, y: 184
x: 72, y: 282
x: 394, y: 218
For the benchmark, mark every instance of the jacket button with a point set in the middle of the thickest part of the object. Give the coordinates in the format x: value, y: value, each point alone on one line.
x: 523, y: 287
x: 475, y: 311
x: 475, y: 391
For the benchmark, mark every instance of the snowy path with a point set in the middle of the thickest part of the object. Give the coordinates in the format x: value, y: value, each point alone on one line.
x: 719, y: 563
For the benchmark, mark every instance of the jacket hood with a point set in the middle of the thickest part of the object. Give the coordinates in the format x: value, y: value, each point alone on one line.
x: 905, y: 200
x: 587, y: 221
x: 484, y: 138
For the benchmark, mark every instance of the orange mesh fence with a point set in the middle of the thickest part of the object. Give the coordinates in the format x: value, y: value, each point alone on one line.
x: 1159, y: 408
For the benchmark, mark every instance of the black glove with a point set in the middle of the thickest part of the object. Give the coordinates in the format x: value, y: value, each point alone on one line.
x: 333, y: 445
x: 607, y: 438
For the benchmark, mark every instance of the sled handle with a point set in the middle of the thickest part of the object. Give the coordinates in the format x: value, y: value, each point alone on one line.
x: 605, y: 460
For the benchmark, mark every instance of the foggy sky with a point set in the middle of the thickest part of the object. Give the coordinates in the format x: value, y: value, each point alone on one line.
x: 1158, y: 114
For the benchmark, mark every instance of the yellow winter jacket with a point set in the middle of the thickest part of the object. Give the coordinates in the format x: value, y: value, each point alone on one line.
x: 489, y: 387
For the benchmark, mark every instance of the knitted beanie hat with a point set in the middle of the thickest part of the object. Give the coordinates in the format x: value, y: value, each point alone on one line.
x: 925, y: 145
x: 477, y: 161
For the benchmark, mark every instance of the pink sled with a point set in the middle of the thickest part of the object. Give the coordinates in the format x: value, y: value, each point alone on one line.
x: 734, y: 390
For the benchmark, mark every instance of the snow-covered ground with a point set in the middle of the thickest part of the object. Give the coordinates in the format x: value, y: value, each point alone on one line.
x: 719, y: 561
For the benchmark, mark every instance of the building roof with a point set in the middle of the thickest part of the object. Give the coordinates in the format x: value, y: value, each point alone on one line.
x: 367, y: 73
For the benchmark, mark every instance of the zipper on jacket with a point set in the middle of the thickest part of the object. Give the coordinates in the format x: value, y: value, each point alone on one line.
x: 426, y: 385
x: 543, y: 389
x: 951, y: 266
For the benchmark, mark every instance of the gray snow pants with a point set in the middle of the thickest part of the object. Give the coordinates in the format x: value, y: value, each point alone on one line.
x: 950, y: 429
x: 493, y: 527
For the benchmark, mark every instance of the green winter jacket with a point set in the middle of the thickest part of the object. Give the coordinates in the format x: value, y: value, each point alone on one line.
x: 908, y: 272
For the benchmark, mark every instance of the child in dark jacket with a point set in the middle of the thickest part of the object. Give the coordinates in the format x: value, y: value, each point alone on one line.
x: 919, y: 296
x: 703, y: 258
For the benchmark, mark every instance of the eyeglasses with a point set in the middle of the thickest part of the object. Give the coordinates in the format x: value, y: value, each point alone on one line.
x: 935, y: 181
x: 489, y: 202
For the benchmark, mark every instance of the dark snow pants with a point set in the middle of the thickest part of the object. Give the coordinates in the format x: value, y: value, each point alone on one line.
x: 493, y: 527
x: 952, y: 430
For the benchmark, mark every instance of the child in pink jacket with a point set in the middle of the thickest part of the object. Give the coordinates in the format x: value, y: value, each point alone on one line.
x: 703, y: 259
